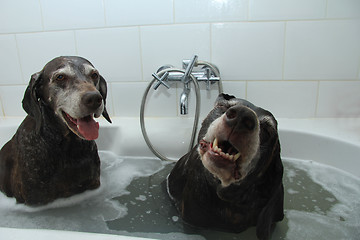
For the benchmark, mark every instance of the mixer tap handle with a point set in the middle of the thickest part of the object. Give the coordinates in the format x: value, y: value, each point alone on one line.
x: 186, y: 78
x: 161, y: 80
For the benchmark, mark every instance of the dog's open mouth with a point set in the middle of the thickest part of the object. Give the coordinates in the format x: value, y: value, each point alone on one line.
x: 223, y: 155
x: 86, y: 127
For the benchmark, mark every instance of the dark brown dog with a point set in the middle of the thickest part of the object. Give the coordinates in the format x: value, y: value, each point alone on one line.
x: 53, y: 153
x: 232, y: 179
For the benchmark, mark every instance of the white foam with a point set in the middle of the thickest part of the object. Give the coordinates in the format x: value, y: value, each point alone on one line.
x: 291, y: 174
x: 342, y: 221
x: 86, y: 211
x: 89, y: 211
x: 141, y: 198
x: 292, y: 191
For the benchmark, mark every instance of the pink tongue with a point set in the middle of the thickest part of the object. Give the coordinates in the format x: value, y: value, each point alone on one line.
x: 88, y: 127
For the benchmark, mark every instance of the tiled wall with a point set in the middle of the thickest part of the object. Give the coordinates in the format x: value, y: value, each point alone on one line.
x: 297, y: 58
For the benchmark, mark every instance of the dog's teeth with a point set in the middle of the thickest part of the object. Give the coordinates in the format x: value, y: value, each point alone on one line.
x: 215, y: 148
x: 215, y: 143
x: 236, y: 156
x: 231, y: 157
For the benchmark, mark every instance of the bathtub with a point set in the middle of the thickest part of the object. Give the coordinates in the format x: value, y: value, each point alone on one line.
x: 334, y: 142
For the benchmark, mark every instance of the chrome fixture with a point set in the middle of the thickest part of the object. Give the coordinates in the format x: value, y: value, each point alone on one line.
x: 204, y: 72
x: 209, y: 74
x: 184, y: 102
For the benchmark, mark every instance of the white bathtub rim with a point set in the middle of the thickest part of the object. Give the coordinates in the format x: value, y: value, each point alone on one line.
x: 126, y: 138
x: 45, y: 234
x: 343, y: 129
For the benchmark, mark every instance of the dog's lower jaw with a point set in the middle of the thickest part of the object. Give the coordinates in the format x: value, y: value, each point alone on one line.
x: 78, y: 129
x: 225, y: 175
x: 234, y: 172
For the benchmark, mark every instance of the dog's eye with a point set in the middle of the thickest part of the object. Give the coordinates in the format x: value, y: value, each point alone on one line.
x: 60, y: 77
x: 222, y: 108
x: 94, y: 75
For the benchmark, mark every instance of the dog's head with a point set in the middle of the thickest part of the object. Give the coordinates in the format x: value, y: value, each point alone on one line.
x: 235, y: 137
x: 74, y: 90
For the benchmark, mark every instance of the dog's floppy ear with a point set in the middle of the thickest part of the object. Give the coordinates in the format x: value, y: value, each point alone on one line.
x: 32, y: 100
x: 223, y: 97
x: 103, y: 92
x: 274, y: 209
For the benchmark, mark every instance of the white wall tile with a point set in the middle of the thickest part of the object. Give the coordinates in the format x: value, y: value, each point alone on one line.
x: 248, y: 51
x: 12, y: 96
x: 284, y: 98
x: 20, y: 16
x: 9, y: 61
x: 161, y: 102
x: 127, y: 100
x: 114, y: 51
x: 286, y: 9
x: 343, y: 9
x: 208, y: 97
x: 1, y: 108
x: 269, y: 46
x: 37, y: 49
x: 138, y: 12
x: 210, y: 11
x: 322, y: 50
x: 69, y: 14
x: 236, y: 88
x: 339, y: 99
x: 171, y: 44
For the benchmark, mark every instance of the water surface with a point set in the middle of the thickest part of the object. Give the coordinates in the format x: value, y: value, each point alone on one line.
x: 321, y: 202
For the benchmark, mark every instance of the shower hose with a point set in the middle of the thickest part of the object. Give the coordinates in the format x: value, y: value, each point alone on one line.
x: 197, y: 108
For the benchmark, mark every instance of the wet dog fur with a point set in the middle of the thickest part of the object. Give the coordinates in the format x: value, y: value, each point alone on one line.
x: 53, y: 153
x: 232, y: 179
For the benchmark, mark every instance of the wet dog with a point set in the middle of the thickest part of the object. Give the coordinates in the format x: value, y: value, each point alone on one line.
x: 53, y: 153
x: 232, y: 179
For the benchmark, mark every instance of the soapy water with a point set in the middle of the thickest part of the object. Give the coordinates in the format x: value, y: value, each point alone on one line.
x: 321, y: 202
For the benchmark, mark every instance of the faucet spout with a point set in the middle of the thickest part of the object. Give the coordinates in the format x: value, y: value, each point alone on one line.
x: 184, y: 100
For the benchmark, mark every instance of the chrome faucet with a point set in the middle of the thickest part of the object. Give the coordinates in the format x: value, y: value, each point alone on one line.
x: 184, y: 100
x: 209, y: 73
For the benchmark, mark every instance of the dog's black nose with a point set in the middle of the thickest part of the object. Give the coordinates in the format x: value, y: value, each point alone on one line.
x: 241, y: 117
x: 92, y: 100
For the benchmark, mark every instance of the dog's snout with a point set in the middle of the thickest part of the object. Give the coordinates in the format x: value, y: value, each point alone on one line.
x: 240, y: 117
x: 92, y: 100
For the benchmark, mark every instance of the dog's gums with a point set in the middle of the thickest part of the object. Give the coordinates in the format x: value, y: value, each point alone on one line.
x: 222, y: 155
x: 224, y: 149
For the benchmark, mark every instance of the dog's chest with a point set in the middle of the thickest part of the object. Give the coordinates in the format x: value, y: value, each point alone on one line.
x: 49, y: 156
